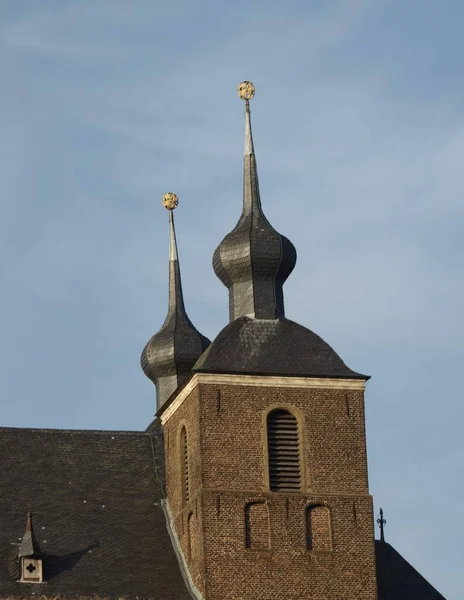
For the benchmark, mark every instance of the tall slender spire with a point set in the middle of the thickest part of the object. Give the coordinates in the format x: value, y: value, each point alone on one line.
x: 253, y: 260
x: 176, y: 296
x: 251, y: 197
x: 249, y: 148
x: 170, y: 354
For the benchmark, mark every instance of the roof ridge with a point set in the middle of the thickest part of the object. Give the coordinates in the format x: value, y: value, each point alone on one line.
x: 77, y: 431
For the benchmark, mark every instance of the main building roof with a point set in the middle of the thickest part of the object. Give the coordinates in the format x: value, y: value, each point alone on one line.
x: 96, y: 498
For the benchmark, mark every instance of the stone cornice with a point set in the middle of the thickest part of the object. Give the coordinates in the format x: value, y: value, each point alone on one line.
x: 259, y: 381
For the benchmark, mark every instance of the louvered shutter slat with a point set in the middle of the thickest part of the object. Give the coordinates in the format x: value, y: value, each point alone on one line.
x: 284, y: 452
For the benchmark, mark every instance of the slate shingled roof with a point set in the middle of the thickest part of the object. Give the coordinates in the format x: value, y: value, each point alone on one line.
x: 96, y: 502
x: 272, y: 347
x: 397, y: 579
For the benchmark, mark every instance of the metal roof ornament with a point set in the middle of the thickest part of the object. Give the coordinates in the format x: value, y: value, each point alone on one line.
x: 170, y: 354
x: 170, y: 201
x: 381, y: 522
x: 246, y: 90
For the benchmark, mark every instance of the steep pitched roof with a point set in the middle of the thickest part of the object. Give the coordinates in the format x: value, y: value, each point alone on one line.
x: 98, y: 518
x: 397, y: 579
x: 272, y: 347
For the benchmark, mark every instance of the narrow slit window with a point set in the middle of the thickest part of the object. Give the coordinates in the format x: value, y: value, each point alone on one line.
x: 283, y: 451
x: 189, y: 536
x: 184, y: 465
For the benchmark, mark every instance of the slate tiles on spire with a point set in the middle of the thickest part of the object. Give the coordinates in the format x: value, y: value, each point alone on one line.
x: 253, y: 261
x: 272, y: 347
x: 170, y: 354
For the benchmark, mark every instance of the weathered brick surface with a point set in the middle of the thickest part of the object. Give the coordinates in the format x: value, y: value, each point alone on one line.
x: 248, y: 542
x: 187, y: 517
x: 318, y: 528
x: 257, y: 524
x: 287, y: 569
x: 188, y: 415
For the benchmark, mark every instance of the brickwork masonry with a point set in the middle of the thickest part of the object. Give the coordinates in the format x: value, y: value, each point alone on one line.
x: 242, y: 541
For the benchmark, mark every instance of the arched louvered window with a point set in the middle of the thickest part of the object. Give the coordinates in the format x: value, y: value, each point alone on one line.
x: 283, y: 451
x: 184, y: 465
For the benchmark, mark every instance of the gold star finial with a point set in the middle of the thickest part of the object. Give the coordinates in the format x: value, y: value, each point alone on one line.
x: 246, y: 90
x: 170, y: 201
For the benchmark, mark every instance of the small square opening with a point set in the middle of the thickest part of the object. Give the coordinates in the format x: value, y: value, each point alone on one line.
x: 31, y: 570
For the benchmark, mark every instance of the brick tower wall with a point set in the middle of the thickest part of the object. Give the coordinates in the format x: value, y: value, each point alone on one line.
x: 187, y: 516
x: 257, y: 544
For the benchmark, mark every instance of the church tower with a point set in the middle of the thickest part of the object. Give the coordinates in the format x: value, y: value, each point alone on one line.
x: 265, y: 446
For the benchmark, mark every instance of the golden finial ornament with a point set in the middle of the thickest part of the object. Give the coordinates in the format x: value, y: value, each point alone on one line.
x: 246, y: 90
x: 170, y: 201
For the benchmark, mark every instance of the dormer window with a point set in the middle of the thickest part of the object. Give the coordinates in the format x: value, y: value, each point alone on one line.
x: 30, y: 561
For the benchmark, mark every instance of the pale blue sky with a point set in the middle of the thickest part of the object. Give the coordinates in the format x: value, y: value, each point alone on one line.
x: 359, y: 133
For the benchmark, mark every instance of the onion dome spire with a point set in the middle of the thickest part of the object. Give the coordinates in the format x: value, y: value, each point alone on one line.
x: 253, y: 261
x: 170, y: 354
